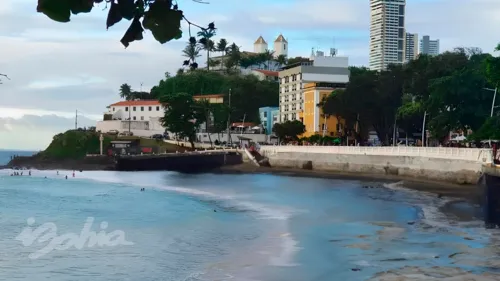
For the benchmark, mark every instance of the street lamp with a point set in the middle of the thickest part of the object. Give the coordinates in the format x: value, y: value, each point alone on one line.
x: 494, y: 97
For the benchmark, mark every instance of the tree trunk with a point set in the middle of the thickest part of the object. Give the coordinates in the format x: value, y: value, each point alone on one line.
x: 208, y: 59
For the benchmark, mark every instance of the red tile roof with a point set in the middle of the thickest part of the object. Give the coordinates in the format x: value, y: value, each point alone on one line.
x: 136, y: 103
x: 268, y: 72
x: 208, y: 96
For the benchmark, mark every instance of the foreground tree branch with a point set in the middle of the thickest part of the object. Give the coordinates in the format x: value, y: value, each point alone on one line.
x: 162, y: 17
x: 3, y: 75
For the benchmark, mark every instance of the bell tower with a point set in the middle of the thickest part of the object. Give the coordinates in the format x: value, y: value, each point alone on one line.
x: 280, y: 46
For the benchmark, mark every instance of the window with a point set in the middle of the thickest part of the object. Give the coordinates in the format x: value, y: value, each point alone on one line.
x: 134, y: 108
x: 113, y: 109
x: 126, y: 108
x: 401, y: 10
x: 265, y: 114
x: 150, y: 108
x: 401, y: 33
x: 401, y: 21
x: 284, y: 46
x: 142, y: 117
x: 142, y: 108
x: 400, y: 45
x: 157, y: 108
x: 133, y: 118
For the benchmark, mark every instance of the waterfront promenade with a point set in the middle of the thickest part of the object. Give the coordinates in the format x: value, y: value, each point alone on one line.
x: 447, y: 164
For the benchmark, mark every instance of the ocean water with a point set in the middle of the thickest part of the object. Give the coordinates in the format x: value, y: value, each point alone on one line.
x: 232, y: 227
x: 5, y: 155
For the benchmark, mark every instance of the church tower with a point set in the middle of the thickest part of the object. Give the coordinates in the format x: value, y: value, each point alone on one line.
x: 280, y: 46
x: 260, y: 46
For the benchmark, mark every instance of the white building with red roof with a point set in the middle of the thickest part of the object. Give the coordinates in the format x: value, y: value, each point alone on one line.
x: 141, y: 117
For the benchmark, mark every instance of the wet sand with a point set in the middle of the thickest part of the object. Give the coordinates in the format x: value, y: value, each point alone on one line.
x: 466, y: 192
x: 462, y: 200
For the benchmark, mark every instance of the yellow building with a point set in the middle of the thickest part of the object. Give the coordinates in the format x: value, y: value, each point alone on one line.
x: 217, y: 98
x: 302, y: 88
x: 312, y: 115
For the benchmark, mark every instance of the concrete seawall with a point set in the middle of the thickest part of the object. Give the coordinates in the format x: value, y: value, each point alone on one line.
x: 453, y: 165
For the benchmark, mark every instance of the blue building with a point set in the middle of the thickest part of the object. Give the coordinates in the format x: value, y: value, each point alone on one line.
x: 268, y: 117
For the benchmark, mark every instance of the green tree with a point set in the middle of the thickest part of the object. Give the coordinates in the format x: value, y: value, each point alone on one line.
x: 489, y: 130
x: 182, y: 115
x: 458, y: 101
x: 206, y: 43
x: 289, y: 130
x: 282, y: 60
x: 126, y: 92
x: 222, y: 46
x: 192, y: 52
x: 248, y: 93
x: 162, y: 18
x: 295, y: 60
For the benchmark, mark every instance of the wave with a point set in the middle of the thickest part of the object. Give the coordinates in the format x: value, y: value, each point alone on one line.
x: 144, y: 179
x: 430, y: 206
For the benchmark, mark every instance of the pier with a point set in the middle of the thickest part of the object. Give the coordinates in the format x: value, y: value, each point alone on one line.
x: 186, y: 162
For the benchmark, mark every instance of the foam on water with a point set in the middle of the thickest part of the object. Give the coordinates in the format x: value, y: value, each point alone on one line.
x: 288, y: 246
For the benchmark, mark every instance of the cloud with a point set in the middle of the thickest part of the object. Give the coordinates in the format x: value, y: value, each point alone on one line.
x: 80, y: 65
x: 34, y: 132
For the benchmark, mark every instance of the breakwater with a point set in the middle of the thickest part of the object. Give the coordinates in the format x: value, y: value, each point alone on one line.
x: 453, y: 165
x: 188, y: 162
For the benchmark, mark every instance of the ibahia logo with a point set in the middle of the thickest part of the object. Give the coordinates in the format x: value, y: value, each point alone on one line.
x: 47, y: 233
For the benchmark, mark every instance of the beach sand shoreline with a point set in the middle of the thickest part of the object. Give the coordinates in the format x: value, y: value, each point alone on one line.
x: 468, y: 192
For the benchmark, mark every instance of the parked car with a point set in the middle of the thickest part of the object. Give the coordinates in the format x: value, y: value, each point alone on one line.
x: 157, y: 136
x: 126, y: 134
x: 113, y: 132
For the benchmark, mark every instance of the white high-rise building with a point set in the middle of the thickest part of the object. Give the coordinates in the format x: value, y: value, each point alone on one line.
x: 411, y: 46
x: 280, y: 46
x: 428, y: 46
x: 387, y: 33
x: 260, y: 45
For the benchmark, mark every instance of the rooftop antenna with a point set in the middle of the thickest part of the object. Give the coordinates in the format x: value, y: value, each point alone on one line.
x: 333, y: 50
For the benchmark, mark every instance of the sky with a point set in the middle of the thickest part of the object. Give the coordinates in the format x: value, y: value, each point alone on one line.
x: 57, y: 68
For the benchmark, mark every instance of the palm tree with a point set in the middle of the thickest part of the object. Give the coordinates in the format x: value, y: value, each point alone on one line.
x: 222, y: 46
x: 269, y: 57
x: 206, y: 43
x: 281, y: 60
x: 234, y: 57
x: 126, y: 91
x: 191, y: 51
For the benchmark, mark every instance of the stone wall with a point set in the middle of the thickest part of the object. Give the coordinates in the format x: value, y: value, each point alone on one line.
x: 463, y: 167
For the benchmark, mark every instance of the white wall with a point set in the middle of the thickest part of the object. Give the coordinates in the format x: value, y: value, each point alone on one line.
x: 454, y: 165
x: 331, y: 61
x: 480, y: 155
x: 203, y: 137
x: 138, y: 128
x: 146, y: 114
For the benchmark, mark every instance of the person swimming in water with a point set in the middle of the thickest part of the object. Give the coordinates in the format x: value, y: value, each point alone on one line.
x: 66, y: 176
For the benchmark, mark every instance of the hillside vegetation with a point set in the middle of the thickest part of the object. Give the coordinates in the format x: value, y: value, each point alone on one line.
x: 74, y: 144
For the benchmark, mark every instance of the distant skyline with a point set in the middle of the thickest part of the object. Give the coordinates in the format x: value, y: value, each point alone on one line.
x: 58, y: 67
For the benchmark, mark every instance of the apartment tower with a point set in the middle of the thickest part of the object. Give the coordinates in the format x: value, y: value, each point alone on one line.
x: 411, y: 46
x: 387, y: 33
x: 428, y: 46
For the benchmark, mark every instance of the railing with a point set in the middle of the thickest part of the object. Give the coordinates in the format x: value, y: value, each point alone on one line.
x: 471, y: 154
